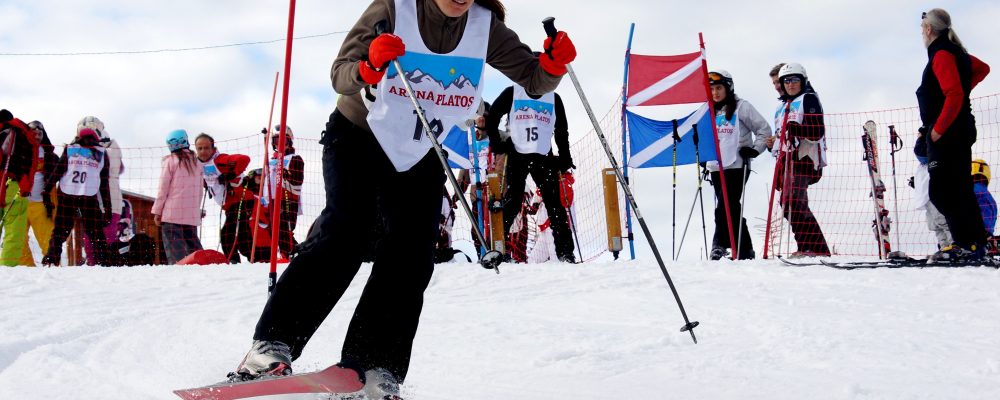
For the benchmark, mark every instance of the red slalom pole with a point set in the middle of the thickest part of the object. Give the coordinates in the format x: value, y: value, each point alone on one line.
x: 260, y: 190
x: 276, y: 204
x: 718, y: 152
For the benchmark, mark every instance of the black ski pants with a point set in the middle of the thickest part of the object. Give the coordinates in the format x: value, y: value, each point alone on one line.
x: 951, y: 189
x: 71, y: 208
x: 547, y: 178
x: 795, y: 207
x: 361, y: 186
x: 735, y: 184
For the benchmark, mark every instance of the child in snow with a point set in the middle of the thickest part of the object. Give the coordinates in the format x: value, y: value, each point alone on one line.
x: 177, y: 209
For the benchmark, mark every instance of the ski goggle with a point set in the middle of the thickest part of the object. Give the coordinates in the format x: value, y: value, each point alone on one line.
x: 177, y: 142
x: 923, y: 15
x: 791, y: 79
x: 715, y: 77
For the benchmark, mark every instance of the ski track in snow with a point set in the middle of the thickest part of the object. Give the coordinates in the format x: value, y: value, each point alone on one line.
x: 548, y: 331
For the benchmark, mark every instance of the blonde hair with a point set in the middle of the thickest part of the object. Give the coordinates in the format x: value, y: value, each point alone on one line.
x: 940, y: 22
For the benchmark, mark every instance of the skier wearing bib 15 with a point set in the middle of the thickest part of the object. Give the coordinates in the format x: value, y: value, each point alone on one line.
x: 946, y: 113
x: 533, y: 121
x: 743, y: 134
x: 82, y: 175
x: 801, y: 136
x: 292, y: 175
x: 378, y: 161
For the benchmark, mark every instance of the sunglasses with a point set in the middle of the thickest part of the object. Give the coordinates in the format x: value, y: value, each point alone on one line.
x: 792, y: 79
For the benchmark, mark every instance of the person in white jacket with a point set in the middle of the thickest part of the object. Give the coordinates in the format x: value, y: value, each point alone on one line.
x: 115, y: 169
x: 742, y: 134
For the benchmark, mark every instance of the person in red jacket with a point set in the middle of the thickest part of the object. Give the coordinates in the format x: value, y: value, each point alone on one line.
x: 221, y: 172
x: 946, y: 113
x: 291, y: 182
x: 18, y: 163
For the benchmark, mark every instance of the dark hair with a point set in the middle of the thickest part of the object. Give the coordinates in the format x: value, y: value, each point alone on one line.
x: 729, y: 103
x: 186, y: 157
x: 776, y: 69
x: 204, y: 135
x: 496, y: 6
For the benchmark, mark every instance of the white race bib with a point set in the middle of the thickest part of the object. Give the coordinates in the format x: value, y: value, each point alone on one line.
x: 83, y: 170
x: 532, y: 122
x: 448, y: 87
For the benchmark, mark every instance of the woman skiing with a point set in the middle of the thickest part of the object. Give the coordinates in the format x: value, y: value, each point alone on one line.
x: 40, y: 205
x: 376, y: 163
x: 743, y: 134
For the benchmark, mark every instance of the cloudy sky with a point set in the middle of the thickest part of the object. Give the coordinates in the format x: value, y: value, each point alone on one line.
x: 860, y: 55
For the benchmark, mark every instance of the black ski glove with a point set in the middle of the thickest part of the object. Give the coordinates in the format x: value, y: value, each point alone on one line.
x: 226, y: 178
x: 748, y: 152
x: 564, y: 164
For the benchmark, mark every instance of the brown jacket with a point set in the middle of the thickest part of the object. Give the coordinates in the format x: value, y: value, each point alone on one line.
x: 441, y: 34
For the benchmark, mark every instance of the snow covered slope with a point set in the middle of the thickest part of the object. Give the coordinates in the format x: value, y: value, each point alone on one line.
x: 550, y: 331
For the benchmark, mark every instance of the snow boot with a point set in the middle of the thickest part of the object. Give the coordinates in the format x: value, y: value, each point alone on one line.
x: 265, y: 358
x: 717, y: 253
x: 380, y: 384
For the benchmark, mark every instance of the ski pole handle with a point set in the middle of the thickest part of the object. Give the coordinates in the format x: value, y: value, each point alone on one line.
x: 549, y: 24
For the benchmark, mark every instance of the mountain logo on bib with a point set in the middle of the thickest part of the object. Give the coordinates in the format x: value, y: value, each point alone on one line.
x: 534, y: 105
x: 447, y: 81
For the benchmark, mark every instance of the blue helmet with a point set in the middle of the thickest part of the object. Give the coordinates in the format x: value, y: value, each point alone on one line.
x: 178, y: 140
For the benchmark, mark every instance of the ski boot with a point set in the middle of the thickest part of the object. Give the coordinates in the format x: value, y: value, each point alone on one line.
x: 957, y: 255
x: 50, y: 261
x: 717, y: 253
x: 381, y: 384
x: 568, y: 258
x: 265, y: 358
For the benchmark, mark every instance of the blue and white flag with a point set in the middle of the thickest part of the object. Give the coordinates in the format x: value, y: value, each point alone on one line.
x: 652, y: 141
x: 456, y: 144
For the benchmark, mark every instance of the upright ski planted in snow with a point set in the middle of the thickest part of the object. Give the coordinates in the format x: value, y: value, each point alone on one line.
x: 881, y: 223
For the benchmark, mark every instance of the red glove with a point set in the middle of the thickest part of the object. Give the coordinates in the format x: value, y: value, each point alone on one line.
x: 558, y: 52
x: 385, y: 48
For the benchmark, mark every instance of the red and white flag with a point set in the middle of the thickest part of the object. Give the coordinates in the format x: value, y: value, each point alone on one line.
x: 666, y: 80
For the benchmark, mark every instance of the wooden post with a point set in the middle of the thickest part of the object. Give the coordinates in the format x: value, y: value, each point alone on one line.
x: 612, y: 213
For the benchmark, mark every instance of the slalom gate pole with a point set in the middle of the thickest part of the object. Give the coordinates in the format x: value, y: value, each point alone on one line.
x: 550, y: 30
x: 260, y: 190
x: 280, y: 165
x: 628, y: 207
x: 492, y: 259
x: 479, y: 190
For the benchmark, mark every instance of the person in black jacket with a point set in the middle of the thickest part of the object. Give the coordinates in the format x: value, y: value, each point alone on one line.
x: 950, y: 131
x: 533, y: 121
x: 801, y: 133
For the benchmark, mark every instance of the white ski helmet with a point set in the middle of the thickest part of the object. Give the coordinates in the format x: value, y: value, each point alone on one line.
x: 94, y: 123
x: 288, y: 131
x: 793, y: 69
x: 720, y: 77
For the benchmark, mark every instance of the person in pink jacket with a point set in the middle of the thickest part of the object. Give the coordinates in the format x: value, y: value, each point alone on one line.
x: 177, y: 209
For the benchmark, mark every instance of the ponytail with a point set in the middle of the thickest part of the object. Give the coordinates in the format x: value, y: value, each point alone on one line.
x: 940, y: 22
x: 495, y: 6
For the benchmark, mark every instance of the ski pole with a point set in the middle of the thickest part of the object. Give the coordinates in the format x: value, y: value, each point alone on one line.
x: 550, y: 30
x: 697, y: 161
x: 739, y: 241
x: 492, y: 259
x: 673, y: 236
x: 895, y: 145
x: 260, y: 190
x: 694, y: 202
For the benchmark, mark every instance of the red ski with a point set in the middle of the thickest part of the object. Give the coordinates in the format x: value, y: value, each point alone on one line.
x: 334, y: 380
